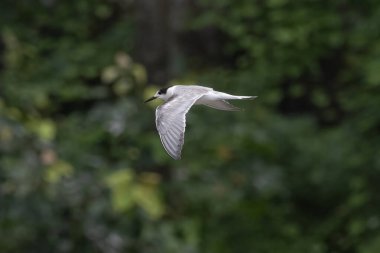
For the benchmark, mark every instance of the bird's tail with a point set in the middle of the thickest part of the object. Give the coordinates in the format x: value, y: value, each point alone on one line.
x: 228, y: 97
x: 245, y: 97
x: 222, y: 95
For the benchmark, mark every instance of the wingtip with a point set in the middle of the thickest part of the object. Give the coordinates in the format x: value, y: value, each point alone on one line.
x: 176, y: 157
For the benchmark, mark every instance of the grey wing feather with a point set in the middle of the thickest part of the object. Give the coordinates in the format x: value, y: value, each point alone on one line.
x: 171, y: 121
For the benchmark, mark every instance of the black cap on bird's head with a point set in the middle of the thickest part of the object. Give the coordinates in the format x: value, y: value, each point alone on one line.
x: 161, y: 91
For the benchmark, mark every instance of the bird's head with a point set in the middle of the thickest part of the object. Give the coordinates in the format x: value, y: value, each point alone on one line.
x: 164, y: 94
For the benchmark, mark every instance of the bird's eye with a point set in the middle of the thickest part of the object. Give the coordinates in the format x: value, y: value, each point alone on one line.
x: 159, y: 93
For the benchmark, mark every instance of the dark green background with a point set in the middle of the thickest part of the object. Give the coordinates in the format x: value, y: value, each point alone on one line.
x: 82, y: 168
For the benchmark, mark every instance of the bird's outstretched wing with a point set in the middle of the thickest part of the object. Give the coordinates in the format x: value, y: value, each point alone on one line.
x: 171, y: 120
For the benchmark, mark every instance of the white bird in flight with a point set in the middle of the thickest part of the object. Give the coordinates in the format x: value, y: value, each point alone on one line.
x: 171, y: 116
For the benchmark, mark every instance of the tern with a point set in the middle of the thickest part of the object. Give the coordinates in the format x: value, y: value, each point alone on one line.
x: 171, y: 116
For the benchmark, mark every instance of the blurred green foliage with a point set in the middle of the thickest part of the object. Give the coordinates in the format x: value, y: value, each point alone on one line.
x: 82, y: 168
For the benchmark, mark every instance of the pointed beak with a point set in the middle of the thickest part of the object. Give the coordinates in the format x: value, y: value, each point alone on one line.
x: 150, y: 99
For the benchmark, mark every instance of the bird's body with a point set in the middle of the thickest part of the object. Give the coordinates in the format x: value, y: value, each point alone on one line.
x: 171, y: 116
